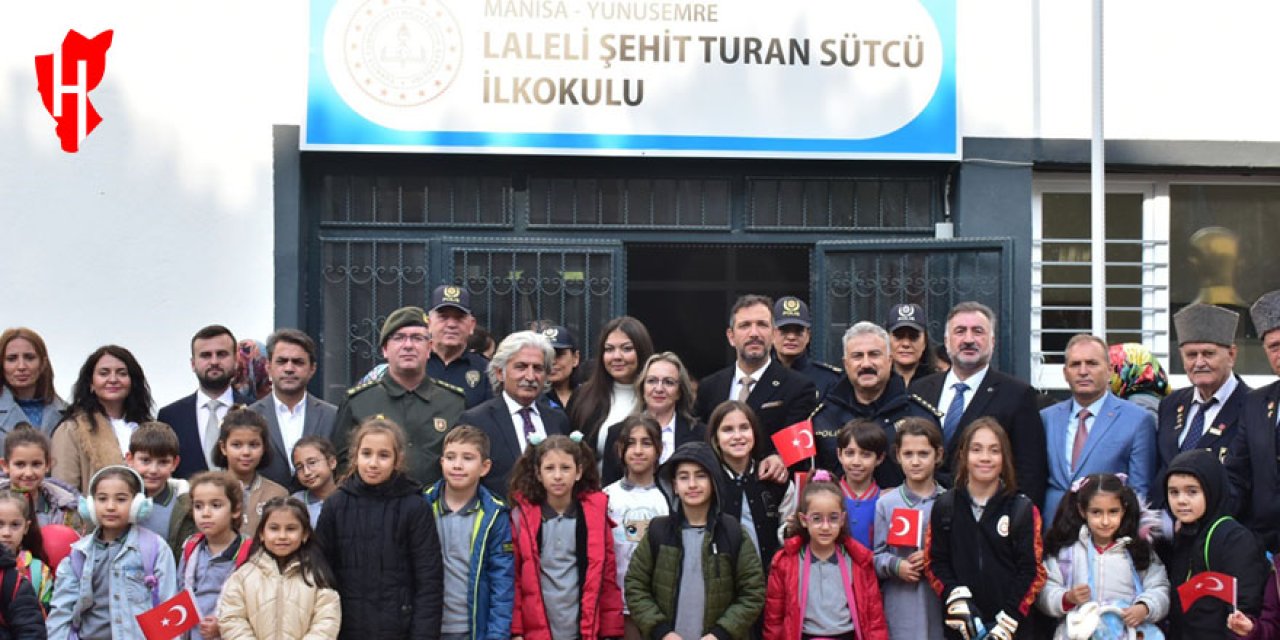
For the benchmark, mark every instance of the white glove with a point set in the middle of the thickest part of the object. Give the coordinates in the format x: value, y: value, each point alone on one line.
x: 962, y: 616
x: 1006, y: 627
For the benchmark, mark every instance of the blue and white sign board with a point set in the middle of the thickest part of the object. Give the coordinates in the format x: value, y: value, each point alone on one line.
x: 728, y: 78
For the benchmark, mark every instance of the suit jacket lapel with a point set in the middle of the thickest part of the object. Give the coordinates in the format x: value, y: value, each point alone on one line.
x: 506, y: 427
x: 312, y: 418
x: 981, y: 396
x: 1101, y: 424
x: 277, y: 438
x: 1057, y: 436
x: 766, y: 386
x: 1230, y: 411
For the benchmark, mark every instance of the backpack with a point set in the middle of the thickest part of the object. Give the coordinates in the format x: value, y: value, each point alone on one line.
x: 189, y: 548
x: 731, y: 529
x: 149, y: 544
x: 9, y: 584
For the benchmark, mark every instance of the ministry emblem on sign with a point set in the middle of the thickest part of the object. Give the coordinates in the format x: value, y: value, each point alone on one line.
x: 401, y: 53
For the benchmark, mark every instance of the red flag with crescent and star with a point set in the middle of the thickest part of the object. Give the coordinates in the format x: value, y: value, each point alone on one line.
x: 1208, y: 583
x: 170, y: 618
x: 906, y: 529
x: 795, y: 443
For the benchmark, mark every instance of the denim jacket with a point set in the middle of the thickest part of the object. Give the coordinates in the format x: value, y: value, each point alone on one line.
x: 73, y: 594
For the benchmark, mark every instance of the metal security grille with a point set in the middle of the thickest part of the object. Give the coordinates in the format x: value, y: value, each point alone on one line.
x: 863, y: 280
x: 643, y: 203
x: 444, y: 201
x: 515, y: 285
x: 364, y: 281
x: 853, y: 204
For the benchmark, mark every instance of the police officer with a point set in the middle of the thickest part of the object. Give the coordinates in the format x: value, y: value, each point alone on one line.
x: 563, y: 378
x: 912, y: 358
x: 450, y: 360
x: 791, y: 344
x: 424, y: 407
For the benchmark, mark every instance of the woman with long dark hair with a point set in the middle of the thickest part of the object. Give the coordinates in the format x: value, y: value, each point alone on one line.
x: 26, y: 386
x: 110, y: 399
x: 609, y: 395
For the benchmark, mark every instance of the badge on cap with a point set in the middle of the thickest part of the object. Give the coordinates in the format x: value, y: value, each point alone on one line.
x: 550, y: 333
x: 441, y: 424
x: 791, y: 307
x: 473, y: 378
x: 452, y: 294
x: 906, y: 312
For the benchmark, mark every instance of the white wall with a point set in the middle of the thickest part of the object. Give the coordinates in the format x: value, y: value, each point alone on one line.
x: 163, y: 222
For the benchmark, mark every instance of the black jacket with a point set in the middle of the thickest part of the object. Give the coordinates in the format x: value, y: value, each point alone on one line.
x: 23, y: 617
x: 382, y: 545
x: 493, y: 418
x: 1171, y: 420
x: 687, y: 430
x: 841, y: 406
x: 997, y: 557
x: 1253, y: 465
x: 1013, y: 404
x: 780, y: 398
x: 764, y: 500
x: 1232, y: 550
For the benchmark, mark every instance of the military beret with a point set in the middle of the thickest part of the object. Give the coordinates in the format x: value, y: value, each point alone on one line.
x: 401, y: 318
x: 1266, y: 313
x: 1206, y: 323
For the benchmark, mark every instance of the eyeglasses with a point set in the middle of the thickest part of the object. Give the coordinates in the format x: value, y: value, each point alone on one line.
x: 666, y: 382
x: 415, y: 338
x: 820, y: 519
x: 310, y: 463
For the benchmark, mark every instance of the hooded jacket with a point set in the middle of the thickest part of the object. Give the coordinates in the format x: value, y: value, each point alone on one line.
x: 1112, y: 576
x: 600, y: 615
x: 381, y: 543
x: 491, y: 577
x: 1232, y: 550
x: 734, y: 594
x: 783, y: 619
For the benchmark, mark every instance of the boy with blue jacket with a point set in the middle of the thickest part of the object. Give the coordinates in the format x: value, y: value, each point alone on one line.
x: 475, y: 539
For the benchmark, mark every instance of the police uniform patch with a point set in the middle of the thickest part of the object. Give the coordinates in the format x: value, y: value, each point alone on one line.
x: 473, y: 378
x: 441, y: 424
x: 1002, y: 526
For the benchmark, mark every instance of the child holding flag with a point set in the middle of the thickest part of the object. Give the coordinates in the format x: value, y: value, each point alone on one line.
x: 1266, y: 626
x: 910, y: 605
x: 761, y: 506
x: 1208, y: 540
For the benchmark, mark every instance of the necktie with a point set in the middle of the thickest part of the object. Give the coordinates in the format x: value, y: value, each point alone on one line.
x: 954, y: 411
x: 1197, y: 425
x: 1082, y: 435
x: 212, y: 427
x: 529, y: 430
x: 745, y: 389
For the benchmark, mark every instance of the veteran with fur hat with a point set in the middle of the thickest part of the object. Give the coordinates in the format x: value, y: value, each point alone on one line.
x: 1252, y: 458
x: 425, y: 407
x: 1204, y: 415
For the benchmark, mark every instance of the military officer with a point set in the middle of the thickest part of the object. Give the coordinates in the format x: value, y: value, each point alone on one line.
x: 450, y: 360
x: 791, y: 344
x: 424, y: 407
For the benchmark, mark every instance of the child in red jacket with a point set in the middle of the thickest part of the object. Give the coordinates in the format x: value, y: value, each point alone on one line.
x: 566, y: 574
x: 838, y: 595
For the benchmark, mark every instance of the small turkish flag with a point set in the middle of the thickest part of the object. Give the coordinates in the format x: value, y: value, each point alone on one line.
x: 171, y: 618
x: 1208, y: 583
x: 795, y: 443
x: 905, y: 529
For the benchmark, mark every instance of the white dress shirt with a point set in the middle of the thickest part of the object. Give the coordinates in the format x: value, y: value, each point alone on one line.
x: 124, y: 432
x: 518, y: 421
x: 668, y: 439
x: 948, y: 389
x: 1210, y: 414
x: 291, y: 421
x: 1073, y: 422
x: 738, y: 374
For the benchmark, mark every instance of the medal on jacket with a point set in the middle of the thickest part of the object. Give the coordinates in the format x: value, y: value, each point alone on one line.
x: 1181, y: 411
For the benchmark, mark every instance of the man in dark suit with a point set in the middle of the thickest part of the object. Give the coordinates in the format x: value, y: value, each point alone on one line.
x: 518, y: 374
x: 1253, y: 459
x: 972, y: 389
x: 1095, y: 431
x: 779, y: 396
x: 197, y: 418
x: 290, y: 411
x: 1205, y: 415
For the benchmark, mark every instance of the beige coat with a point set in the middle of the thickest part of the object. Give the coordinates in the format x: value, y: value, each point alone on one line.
x: 259, y: 602
x: 257, y: 494
x: 78, y: 453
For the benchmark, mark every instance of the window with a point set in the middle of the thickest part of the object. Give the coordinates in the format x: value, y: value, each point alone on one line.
x: 1169, y: 242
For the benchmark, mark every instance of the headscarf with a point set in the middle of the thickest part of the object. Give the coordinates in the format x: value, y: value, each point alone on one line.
x: 1134, y: 370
